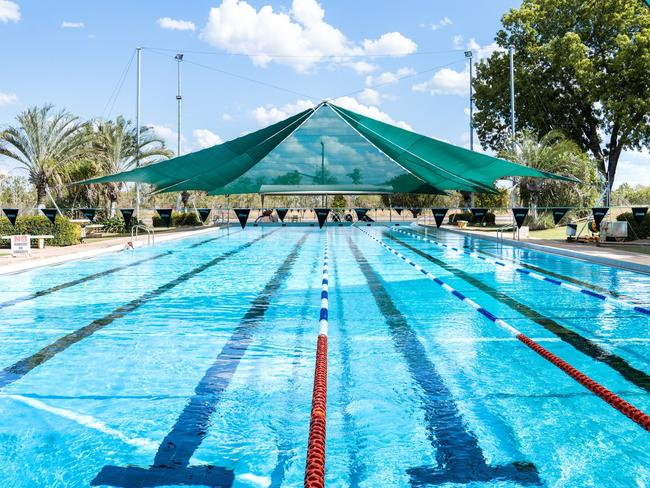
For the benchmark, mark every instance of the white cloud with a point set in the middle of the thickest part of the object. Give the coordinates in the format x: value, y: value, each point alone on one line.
x: 72, y: 25
x: 167, y: 134
x: 206, y: 138
x: 270, y: 114
x: 444, y: 22
x: 481, y: 52
x: 363, y: 67
x: 226, y: 117
x: 369, y: 111
x: 8, y: 99
x: 299, y: 38
x: 388, y: 77
x: 458, y: 41
x: 446, y: 82
x: 175, y: 24
x: 370, y: 96
x: 633, y: 168
x: 9, y: 11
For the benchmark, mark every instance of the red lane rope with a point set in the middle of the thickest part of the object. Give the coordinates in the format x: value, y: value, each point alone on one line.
x: 610, y: 397
x: 315, y: 470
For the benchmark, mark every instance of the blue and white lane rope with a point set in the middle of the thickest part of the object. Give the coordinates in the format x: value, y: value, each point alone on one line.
x: 532, y: 274
x: 627, y: 409
x: 315, y: 468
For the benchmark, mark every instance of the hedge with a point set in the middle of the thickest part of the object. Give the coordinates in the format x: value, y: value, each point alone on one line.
x: 178, y: 219
x: 489, y: 218
x: 65, y: 232
x: 642, y: 231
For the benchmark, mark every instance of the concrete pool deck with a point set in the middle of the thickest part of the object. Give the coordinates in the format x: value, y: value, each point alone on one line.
x: 51, y: 255
x: 609, y: 256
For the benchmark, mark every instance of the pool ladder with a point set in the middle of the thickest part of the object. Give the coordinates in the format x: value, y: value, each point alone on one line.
x: 151, y: 239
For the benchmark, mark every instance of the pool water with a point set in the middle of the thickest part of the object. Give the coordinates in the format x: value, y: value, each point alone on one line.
x: 191, y: 363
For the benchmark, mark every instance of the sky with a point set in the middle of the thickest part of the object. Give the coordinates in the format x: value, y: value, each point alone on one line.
x: 251, y: 63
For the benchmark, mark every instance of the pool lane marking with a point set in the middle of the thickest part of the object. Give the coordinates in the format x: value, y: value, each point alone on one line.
x: 531, y: 274
x: 626, y: 408
x: 171, y: 462
x: 315, y: 465
x: 93, y: 276
x: 579, y: 342
x: 207, y: 241
x: 459, y: 456
x: 20, y: 368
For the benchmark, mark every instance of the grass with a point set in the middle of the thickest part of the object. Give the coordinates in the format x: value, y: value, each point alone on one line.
x: 553, y: 233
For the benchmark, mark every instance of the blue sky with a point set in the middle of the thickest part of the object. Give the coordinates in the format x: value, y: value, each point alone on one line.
x: 72, y: 54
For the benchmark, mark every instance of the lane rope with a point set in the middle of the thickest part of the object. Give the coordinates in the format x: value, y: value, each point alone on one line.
x: 627, y: 409
x: 315, y: 468
x: 531, y: 274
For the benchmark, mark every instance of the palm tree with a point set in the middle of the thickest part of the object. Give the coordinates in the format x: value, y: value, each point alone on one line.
x: 554, y: 153
x: 44, y: 142
x: 116, y: 149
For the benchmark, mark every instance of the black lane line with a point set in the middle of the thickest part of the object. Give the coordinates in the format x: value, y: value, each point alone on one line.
x: 171, y: 463
x: 532, y: 267
x: 94, y: 276
x: 460, y: 458
x: 579, y: 342
x: 207, y: 241
x: 22, y: 367
x: 78, y: 281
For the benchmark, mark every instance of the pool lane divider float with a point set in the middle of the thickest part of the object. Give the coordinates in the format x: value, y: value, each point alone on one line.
x: 171, y: 464
x: 531, y: 274
x: 315, y: 468
x: 627, y: 409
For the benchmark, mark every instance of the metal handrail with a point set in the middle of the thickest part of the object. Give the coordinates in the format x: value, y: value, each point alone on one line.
x: 151, y: 239
x: 501, y: 230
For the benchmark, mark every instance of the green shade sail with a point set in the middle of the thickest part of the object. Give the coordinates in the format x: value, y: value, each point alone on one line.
x: 328, y: 149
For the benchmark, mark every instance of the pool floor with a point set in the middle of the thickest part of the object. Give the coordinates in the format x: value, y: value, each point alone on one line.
x: 191, y: 363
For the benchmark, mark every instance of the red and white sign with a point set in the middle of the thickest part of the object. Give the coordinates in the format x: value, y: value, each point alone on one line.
x: 19, y: 245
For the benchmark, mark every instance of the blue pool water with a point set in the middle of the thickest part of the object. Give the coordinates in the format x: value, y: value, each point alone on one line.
x: 191, y: 363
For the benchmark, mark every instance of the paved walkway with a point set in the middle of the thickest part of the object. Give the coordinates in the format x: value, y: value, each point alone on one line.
x: 608, y: 255
x: 55, y: 255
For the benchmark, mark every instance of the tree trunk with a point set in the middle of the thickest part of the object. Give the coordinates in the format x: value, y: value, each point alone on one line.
x: 41, y: 195
x: 112, y: 208
x: 185, y: 199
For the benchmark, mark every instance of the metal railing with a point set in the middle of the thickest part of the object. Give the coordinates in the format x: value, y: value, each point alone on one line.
x: 151, y: 238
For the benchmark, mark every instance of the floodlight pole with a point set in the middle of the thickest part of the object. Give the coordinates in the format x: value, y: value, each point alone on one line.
x: 322, y: 169
x: 469, y: 55
x: 513, y: 131
x: 179, y: 97
x: 137, y: 129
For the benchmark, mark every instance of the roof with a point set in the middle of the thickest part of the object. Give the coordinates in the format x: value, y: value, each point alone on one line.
x: 329, y: 149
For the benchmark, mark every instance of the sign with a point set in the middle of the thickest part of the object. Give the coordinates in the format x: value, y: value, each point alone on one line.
x: 599, y: 214
x: 242, y: 214
x: 165, y: 216
x: 321, y: 215
x: 415, y: 212
x: 89, y: 213
x: 361, y: 213
x: 19, y: 245
x: 204, y: 213
x: 439, y: 215
x: 638, y: 213
x: 12, y: 215
x: 479, y: 213
x: 399, y: 211
x: 282, y: 213
x: 558, y: 214
x: 520, y: 215
x: 127, y: 214
x: 50, y: 213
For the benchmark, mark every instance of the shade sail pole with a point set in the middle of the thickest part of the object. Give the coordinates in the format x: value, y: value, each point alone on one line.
x: 137, y: 130
x: 469, y: 55
x: 513, y: 132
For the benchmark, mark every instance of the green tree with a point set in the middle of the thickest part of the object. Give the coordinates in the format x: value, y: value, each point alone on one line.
x: 116, y: 149
x: 581, y: 67
x: 355, y: 176
x: 44, y: 142
x: 554, y: 153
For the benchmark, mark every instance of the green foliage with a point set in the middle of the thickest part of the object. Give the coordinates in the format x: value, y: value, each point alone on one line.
x: 501, y: 199
x: 65, y: 232
x: 489, y: 219
x: 581, y: 67
x: 627, y: 194
x: 642, y: 231
x: 113, y: 225
x: 178, y: 219
x: 541, y: 221
x: 16, y: 192
x: 339, y: 203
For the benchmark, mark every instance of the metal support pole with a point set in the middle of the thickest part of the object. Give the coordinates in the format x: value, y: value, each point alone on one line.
x: 137, y: 130
x: 513, y: 130
x: 179, y: 98
x: 322, y: 169
x: 469, y: 55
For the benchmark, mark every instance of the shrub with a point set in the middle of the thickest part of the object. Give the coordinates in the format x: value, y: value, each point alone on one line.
x: 65, y: 232
x: 489, y: 218
x: 543, y: 221
x: 114, y: 225
x: 641, y: 231
x: 178, y: 219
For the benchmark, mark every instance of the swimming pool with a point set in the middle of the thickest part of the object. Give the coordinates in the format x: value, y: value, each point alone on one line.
x: 192, y: 363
